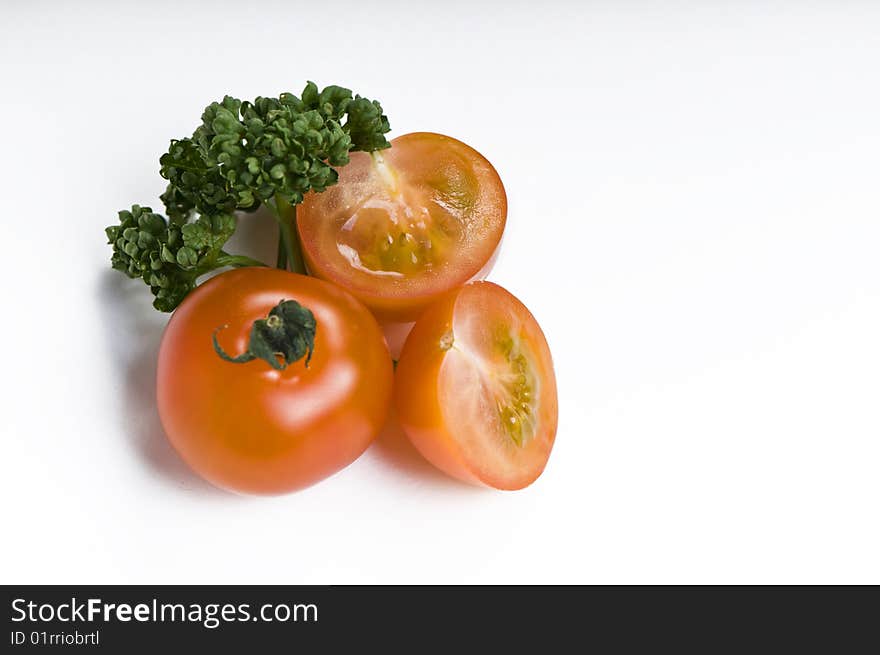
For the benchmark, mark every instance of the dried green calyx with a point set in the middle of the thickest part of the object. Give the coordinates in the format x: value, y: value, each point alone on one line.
x: 285, y: 336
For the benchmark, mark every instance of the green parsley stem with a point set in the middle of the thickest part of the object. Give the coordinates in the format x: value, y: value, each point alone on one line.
x: 285, y: 214
x: 281, y: 260
x: 237, y: 261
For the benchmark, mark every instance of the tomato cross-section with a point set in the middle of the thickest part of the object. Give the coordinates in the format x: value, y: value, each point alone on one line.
x: 475, y: 389
x: 406, y: 224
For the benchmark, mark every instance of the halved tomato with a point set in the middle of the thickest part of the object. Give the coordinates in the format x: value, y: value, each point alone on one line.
x: 405, y: 225
x: 475, y: 389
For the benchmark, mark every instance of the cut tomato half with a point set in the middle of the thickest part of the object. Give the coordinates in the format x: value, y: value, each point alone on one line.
x: 475, y: 389
x: 406, y: 224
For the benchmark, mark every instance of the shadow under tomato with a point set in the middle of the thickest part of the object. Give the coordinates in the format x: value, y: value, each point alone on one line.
x: 393, y: 450
x: 133, y: 332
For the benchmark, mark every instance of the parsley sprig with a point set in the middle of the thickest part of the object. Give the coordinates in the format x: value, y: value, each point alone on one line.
x: 170, y: 256
x: 269, y: 152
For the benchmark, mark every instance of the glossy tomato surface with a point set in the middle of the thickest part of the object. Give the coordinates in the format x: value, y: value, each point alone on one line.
x: 406, y: 224
x: 475, y: 389
x: 251, y: 428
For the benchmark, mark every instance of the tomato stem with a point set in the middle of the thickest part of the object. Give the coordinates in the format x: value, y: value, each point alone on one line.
x: 289, y: 248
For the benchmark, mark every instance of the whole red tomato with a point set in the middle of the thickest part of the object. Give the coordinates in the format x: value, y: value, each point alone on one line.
x: 249, y: 427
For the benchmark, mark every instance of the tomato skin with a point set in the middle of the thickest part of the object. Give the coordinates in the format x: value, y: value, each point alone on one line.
x: 416, y: 398
x: 424, y: 412
x: 421, y: 158
x: 252, y: 429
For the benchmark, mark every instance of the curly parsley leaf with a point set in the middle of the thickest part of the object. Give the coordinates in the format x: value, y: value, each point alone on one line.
x: 170, y: 256
x: 246, y: 153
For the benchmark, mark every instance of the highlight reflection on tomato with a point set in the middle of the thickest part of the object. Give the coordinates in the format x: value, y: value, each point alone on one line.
x: 406, y: 224
x: 251, y: 428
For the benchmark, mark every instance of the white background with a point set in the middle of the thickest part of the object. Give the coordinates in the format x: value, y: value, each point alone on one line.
x: 694, y: 219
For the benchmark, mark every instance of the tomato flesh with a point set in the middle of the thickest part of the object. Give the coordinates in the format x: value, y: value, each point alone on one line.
x: 475, y: 389
x: 404, y: 225
x: 251, y: 428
